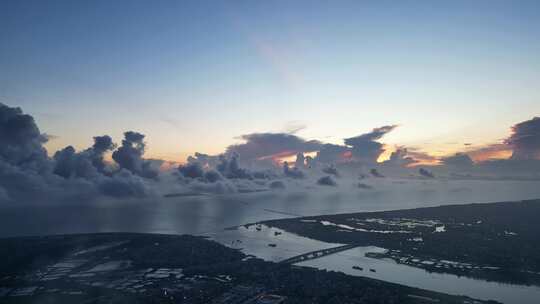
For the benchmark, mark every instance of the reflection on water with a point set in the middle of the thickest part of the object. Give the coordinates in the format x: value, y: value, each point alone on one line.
x: 197, y: 215
x: 388, y: 270
x: 255, y: 242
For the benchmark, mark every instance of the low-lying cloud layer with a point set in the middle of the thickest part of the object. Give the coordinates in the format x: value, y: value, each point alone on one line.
x: 28, y: 174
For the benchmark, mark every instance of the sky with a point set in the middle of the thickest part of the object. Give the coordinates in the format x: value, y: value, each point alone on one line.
x: 196, y: 75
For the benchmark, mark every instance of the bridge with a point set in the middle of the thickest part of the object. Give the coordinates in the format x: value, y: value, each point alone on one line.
x: 317, y: 254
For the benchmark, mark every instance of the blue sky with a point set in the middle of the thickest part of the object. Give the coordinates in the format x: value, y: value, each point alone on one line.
x: 194, y: 75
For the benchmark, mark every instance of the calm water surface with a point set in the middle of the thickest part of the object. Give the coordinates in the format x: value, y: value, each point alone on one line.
x: 198, y: 215
x: 288, y: 245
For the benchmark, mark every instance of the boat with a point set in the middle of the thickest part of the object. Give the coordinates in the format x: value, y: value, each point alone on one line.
x: 358, y: 268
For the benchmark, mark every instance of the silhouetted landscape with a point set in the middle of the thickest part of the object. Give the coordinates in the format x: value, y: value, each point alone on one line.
x: 143, y: 268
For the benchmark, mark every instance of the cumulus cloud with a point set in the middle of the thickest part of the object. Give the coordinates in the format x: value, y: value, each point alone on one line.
x: 222, y: 176
x: 21, y: 184
x: 332, y: 170
x: 425, y: 173
x: 330, y: 153
x: 102, y: 145
x: 401, y: 158
x: 23, y: 160
x: 262, y: 145
x: 123, y: 184
x: 326, y: 181
x: 300, y: 161
x: 516, y: 157
x: 194, y: 170
x: 420, y: 157
x: 191, y: 170
x: 525, y: 139
x: 129, y: 156
x: 310, y: 162
x: 459, y: 160
x: 522, y: 144
x: 86, y: 164
x: 292, y: 172
x: 230, y: 168
x: 69, y: 163
x: 21, y: 141
x: 90, y: 165
x: 212, y: 176
x: 375, y: 134
x: 365, y: 147
x: 28, y: 174
x: 204, y: 159
x: 489, y: 152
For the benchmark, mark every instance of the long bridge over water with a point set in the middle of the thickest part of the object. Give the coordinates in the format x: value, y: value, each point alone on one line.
x: 317, y: 254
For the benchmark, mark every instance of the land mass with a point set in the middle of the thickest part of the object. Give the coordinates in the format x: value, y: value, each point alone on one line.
x: 494, y: 241
x: 150, y: 268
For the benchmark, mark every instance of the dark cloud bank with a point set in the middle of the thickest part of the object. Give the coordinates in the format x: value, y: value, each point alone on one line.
x: 28, y: 174
x: 525, y: 140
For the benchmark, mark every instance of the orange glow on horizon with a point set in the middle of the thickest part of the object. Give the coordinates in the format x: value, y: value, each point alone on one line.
x: 280, y: 157
x: 425, y: 162
x: 168, y: 165
x: 481, y: 156
x: 287, y: 156
x: 388, y: 150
